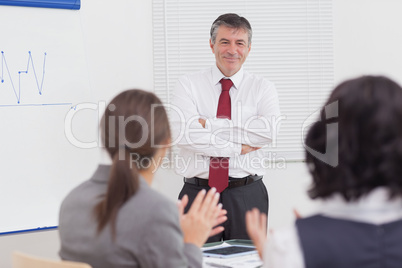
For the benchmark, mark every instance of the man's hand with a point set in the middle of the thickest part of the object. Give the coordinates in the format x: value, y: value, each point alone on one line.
x: 202, y: 122
x: 256, y: 225
x: 245, y: 149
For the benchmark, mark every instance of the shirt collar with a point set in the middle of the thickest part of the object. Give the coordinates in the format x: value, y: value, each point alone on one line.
x: 217, y: 75
x: 375, y: 207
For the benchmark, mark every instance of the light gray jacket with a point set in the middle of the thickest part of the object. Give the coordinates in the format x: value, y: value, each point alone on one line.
x: 148, y: 232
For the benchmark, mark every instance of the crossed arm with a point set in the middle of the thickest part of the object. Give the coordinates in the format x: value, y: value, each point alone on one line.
x: 222, y: 137
x: 245, y: 149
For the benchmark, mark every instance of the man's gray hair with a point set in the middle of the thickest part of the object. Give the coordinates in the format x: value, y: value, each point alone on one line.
x: 231, y: 20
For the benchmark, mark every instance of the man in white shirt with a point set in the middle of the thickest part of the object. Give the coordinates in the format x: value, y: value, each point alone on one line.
x: 220, y: 129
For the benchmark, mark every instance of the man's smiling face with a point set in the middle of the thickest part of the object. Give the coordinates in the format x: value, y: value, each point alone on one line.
x: 231, y: 49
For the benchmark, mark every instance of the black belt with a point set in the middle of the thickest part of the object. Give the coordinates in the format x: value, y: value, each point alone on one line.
x: 233, y: 182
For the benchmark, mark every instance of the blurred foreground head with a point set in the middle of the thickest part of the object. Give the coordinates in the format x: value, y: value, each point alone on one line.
x: 361, y: 126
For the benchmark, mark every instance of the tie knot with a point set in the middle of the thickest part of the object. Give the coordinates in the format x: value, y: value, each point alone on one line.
x: 226, y: 84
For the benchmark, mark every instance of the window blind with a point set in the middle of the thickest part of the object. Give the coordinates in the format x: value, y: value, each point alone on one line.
x: 292, y: 47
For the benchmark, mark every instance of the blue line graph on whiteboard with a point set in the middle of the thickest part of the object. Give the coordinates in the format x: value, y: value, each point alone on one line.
x: 5, y: 73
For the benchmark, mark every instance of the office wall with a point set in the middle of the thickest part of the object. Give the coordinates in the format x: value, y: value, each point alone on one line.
x: 367, y: 38
x: 119, y: 49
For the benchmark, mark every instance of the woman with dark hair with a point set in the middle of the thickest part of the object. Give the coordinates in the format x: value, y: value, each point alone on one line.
x: 115, y: 219
x: 354, y: 154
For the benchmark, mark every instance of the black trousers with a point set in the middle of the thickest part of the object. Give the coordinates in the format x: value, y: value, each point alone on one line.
x: 236, y: 201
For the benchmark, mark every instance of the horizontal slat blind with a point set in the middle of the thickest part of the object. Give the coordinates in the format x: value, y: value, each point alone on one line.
x: 292, y: 46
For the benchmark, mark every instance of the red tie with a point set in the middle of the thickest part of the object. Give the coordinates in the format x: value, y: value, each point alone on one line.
x: 219, y: 166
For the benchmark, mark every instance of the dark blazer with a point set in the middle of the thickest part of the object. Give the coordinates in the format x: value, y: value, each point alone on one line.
x: 337, y: 243
x: 148, y: 231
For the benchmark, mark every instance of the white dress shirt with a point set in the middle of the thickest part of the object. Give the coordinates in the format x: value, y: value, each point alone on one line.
x: 254, y: 121
x: 283, y: 249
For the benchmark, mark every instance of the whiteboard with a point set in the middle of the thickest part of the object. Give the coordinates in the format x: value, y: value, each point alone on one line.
x: 44, y: 76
